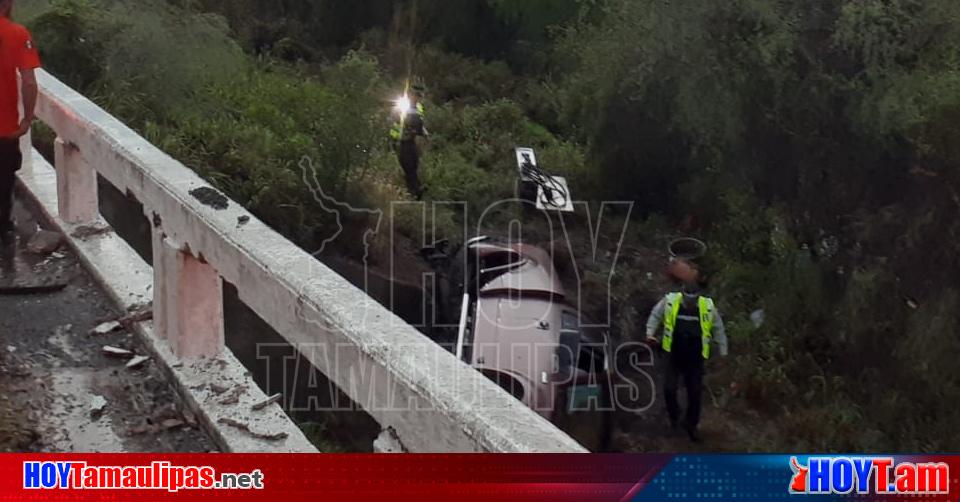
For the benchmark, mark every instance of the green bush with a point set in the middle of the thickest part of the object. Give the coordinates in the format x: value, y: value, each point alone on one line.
x: 75, y: 40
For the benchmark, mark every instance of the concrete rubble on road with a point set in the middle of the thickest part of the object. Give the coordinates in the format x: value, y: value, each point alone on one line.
x: 97, y: 405
x: 45, y: 242
x: 117, y: 352
x: 107, y: 327
x: 137, y: 361
x: 59, y: 391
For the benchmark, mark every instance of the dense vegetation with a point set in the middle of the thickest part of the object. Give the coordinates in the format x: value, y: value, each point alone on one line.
x: 814, y: 144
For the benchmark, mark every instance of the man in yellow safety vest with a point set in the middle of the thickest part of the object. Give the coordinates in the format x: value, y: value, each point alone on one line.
x: 690, y: 323
x: 404, y: 134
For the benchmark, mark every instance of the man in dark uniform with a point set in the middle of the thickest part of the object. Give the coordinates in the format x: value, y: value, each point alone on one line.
x: 18, y: 58
x: 690, y: 323
x: 405, y: 134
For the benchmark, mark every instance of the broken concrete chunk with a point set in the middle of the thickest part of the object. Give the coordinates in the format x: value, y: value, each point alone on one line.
x: 116, y: 352
x: 45, y: 242
x: 97, y: 405
x: 267, y: 402
x: 107, y: 327
x: 136, y: 362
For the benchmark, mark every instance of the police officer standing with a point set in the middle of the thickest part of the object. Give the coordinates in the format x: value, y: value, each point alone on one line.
x: 405, y: 133
x: 691, y: 323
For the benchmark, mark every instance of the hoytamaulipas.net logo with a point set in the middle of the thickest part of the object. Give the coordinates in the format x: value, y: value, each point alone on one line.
x: 58, y: 475
x: 868, y: 475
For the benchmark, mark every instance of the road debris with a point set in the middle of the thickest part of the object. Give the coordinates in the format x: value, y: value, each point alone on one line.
x: 44, y: 242
x: 117, y: 352
x: 137, y: 362
x: 107, y: 327
x: 144, y: 314
x: 59, y: 391
x: 246, y: 428
x: 97, y: 405
x: 243, y: 220
x: 267, y: 402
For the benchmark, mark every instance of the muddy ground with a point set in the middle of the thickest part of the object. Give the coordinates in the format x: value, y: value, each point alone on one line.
x: 53, y: 372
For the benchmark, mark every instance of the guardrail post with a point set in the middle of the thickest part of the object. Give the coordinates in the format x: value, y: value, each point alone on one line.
x: 76, y: 184
x: 188, y: 300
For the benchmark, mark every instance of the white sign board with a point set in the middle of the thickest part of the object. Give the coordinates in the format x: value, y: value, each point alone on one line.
x: 524, y: 156
x: 558, y: 199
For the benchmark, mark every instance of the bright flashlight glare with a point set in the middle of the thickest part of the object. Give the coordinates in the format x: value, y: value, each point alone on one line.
x: 403, y: 105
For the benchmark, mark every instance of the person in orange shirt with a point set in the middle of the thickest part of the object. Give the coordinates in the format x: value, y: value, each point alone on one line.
x: 18, y: 56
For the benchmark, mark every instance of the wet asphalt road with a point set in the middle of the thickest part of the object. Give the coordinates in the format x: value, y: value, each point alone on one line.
x: 52, y: 369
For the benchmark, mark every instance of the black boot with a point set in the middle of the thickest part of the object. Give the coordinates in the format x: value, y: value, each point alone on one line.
x: 694, y: 435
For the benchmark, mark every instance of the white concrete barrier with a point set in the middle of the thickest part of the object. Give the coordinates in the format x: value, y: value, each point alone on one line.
x: 432, y: 401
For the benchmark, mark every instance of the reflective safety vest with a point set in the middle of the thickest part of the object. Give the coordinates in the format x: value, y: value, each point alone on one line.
x: 397, y: 131
x: 672, y: 311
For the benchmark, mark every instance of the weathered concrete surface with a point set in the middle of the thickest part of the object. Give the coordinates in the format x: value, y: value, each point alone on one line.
x: 433, y: 401
x: 128, y: 281
x: 76, y: 185
x: 51, y: 369
x: 188, y: 304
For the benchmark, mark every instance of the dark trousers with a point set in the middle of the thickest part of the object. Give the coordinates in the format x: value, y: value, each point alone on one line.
x: 10, y: 160
x: 691, y: 370
x: 409, y: 157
